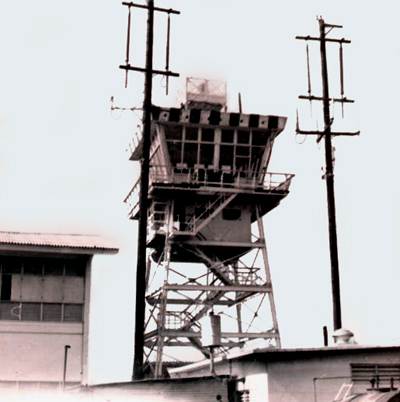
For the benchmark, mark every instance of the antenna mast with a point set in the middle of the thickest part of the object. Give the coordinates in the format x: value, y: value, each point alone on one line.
x: 327, y: 134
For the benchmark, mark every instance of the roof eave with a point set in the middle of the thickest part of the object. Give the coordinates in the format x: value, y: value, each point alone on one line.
x: 31, y: 248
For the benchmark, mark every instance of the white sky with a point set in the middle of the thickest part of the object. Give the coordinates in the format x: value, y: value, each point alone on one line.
x: 63, y: 165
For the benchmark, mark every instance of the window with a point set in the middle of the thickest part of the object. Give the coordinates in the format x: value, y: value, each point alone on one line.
x: 227, y: 136
x: 190, y: 154
x: 5, y: 287
x: 191, y: 133
x: 207, y: 135
x: 73, y: 313
x: 175, y: 152
x: 259, y: 138
x: 30, y: 311
x: 243, y: 137
x: 240, y: 149
x: 52, y: 312
x: 206, y: 156
x: 173, y: 132
x: 226, y: 156
x: 193, y: 146
x: 45, y: 312
x: 42, y: 289
x: 231, y: 214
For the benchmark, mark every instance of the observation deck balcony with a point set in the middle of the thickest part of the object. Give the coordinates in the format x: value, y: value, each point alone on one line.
x: 208, y: 181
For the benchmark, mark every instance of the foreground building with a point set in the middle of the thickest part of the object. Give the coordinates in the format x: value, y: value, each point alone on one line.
x: 340, y: 373
x: 302, y: 375
x: 44, y: 308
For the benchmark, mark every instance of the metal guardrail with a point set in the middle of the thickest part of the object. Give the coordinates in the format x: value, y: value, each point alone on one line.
x: 135, y: 142
x: 217, y: 179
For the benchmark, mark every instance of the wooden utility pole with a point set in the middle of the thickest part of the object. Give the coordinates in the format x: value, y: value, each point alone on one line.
x: 138, y: 371
x: 144, y: 186
x: 327, y: 135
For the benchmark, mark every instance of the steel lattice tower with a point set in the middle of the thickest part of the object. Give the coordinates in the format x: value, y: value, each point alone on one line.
x: 208, y: 191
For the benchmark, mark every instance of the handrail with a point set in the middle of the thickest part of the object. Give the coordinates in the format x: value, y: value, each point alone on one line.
x: 215, y: 178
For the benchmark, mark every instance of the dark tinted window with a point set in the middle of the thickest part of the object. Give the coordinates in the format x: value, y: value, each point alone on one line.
x: 231, y: 214
x: 173, y: 132
x: 191, y: 133
x: 227, y: 136
x: 259, y: 137
x: 33, y: 266
x: 54, y: 266
x: 243, y: 137
x: 11, y: 265
x: 207, y: 135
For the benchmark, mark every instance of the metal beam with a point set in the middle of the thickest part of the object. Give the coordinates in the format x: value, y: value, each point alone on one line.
x: 249, y: 335
x: 257, y: 244
x: 225, y: 288
x: 178, y: 302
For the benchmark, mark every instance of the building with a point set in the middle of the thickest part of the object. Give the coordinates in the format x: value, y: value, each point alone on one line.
x: 44, y: 307
x: 339, y: 373
x: 302, y: 375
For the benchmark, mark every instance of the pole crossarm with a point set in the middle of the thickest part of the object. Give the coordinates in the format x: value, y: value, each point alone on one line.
x: 320, y: 98
x: 165, y: 10
x: 325, y: 39
x: 333, y: 133
x: 143, y: 70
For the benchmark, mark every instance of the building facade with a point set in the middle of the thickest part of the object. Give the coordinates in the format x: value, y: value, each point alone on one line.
x: 44, y: 307
x: 302, y: 375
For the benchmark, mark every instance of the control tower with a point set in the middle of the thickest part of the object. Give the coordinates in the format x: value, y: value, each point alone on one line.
x: 208, y: 191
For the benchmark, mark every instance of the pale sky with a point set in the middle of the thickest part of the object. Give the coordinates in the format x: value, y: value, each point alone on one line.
x: 63, y: 165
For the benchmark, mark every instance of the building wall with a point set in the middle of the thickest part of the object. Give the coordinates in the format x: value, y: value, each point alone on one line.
x: 42, y: 314
x: 237, y: 230
x: 222, y: 229
x: 311, y: 379
x: 287, y: 378
x: 35, y: 352
x: 193, y: 390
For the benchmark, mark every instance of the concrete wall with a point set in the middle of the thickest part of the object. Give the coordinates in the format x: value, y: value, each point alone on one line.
x: 193, y: 390
x: 293, y: 381
x: 35, y: 352
x: 298, y: 377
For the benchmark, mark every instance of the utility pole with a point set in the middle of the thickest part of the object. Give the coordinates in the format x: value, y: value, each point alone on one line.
x: 327, y: 135
x: 138, y: 371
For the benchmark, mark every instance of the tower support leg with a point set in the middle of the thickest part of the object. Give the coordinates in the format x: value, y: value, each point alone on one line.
x: 268, y: 274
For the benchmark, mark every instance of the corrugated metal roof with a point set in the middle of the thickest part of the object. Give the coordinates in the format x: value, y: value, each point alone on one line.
x: 82, y: 242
